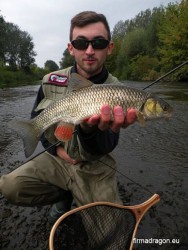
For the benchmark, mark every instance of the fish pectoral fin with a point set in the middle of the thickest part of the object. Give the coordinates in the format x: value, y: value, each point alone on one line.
x: 140, y: 117
x: 64, y: 131
x: 77, y: 82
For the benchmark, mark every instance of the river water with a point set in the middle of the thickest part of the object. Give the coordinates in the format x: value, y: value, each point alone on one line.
x: 150, y: 159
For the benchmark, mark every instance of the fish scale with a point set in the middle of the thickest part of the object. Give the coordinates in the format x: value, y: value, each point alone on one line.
x: 83, y: 103
x: 86, y: 101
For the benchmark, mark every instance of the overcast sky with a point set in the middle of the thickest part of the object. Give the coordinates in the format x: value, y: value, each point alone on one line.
x: 48, y: 21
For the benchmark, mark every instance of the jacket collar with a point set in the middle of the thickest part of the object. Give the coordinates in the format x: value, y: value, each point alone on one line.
x: 97, y: 79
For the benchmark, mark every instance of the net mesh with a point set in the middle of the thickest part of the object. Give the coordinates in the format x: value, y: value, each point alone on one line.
x: 100, y: 227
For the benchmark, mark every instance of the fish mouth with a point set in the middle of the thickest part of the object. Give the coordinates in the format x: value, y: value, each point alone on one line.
x: 169, y: 112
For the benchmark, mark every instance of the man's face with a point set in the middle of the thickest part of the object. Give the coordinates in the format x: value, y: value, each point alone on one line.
x: 90, y: 61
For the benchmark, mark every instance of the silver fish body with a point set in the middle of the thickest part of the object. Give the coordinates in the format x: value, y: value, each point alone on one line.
x: 85, y: 102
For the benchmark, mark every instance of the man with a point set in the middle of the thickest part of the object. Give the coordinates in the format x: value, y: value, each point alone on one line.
x: 81, y: 169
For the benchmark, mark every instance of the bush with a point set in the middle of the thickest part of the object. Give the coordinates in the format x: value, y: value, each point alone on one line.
x: 15, y: 78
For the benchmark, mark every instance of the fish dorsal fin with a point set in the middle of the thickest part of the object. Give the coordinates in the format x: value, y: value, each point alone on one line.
x: 77, y: 82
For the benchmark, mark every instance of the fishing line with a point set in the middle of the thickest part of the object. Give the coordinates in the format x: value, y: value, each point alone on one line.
x: 138, y: 184
x: 151, y: 84
x: 58, y: 143
x: 43, y: 151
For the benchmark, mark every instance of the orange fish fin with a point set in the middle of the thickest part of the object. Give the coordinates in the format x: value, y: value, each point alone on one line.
x: 64, y: 131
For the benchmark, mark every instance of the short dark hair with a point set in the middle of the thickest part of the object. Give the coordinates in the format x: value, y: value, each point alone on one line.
x: 87, y: 17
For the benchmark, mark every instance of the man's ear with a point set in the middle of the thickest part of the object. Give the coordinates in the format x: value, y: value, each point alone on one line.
x: 70, y: 49
x: 110, y: 48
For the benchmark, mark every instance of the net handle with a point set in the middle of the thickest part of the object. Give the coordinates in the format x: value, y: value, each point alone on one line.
x: 138, y: 210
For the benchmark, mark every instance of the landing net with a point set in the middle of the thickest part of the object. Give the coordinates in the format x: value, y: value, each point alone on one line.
x: 96, y: 228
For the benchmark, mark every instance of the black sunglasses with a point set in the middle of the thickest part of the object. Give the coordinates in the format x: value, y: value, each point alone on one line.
x: 82, y: 44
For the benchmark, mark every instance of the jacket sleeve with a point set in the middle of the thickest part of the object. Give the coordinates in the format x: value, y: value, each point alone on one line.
x: 98, y: 142
x: 45, y: 143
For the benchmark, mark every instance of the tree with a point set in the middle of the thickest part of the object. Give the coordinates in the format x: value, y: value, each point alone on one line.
x: 18, y: 49
x: 135, y: 38
x: 12, y: 45
x: 173, y: 37
x: 51, y: 66
x: 143, y: 68
x: 26, y: 53
x: 2, y: 39
x: 118, y: 35
x: 67, y: 60
x: 133, y: 44
x: 120, y: 29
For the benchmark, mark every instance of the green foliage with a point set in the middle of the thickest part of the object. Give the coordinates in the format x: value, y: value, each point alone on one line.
x: 152, y: 43
x: 138, y: 45
x: 9, y: 78
x: 173, y: 46
x: 16, y: 55
x: 51, y: 66
x: 2, y: 39
x: 144, y: 68
x: 37, y: 71
x: 67, y: 60
x: 16, y: 46
x: 131, y: 46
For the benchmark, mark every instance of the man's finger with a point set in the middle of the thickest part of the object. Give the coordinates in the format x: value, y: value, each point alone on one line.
x: 105, y: 117
x: 63, y: 155
x: 93, y: 120
x: 130, y: 117
x: 118, y: 119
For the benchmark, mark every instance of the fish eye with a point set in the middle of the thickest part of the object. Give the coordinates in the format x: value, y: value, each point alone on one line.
x: 165, y: 107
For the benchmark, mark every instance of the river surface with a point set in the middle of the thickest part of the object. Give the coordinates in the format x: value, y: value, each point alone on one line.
x: 150, y: 159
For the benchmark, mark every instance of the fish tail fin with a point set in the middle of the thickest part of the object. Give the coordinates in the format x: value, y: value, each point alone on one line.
x: 64, y: 131
x: 25, y: 130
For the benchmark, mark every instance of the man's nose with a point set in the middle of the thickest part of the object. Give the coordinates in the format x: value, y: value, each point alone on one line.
x: 90, y: 49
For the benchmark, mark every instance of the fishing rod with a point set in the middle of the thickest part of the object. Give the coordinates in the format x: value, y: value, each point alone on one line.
x: 170, y: 72
x: 36, y: 155
x: 58, y: 142
x: 160, y: 78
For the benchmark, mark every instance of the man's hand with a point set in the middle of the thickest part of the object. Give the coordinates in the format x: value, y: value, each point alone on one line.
x: 103, y: 121
x: 63, y: 155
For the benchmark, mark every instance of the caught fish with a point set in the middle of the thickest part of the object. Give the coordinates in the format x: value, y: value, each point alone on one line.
x: 82, y: 102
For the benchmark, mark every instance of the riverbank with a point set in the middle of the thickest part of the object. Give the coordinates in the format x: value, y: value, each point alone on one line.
x: 9, y: 78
